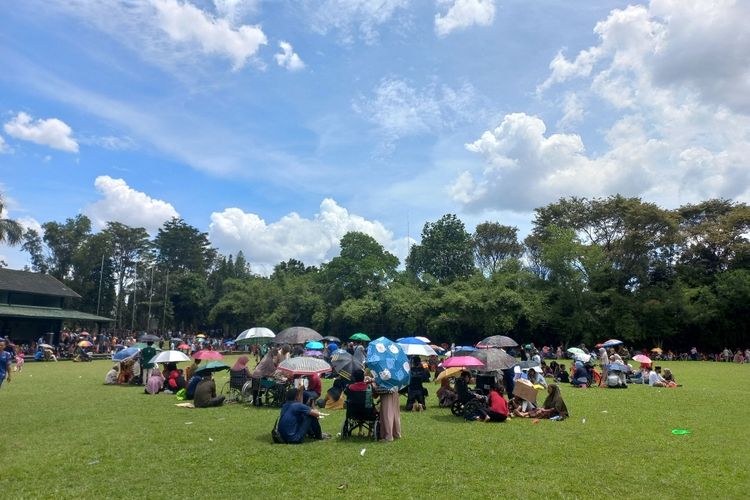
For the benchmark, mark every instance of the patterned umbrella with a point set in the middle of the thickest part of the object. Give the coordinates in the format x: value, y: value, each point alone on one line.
x: 388, y: 363
x: 304, y: 365
x: 344, y: 363
x: 297, y: 335
x: 497, y: 341
x: 256, y: 335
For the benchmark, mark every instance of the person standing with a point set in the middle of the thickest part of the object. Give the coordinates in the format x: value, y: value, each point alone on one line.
x: 5, y: 358
x: 390, y: 415
x: 147, y: 354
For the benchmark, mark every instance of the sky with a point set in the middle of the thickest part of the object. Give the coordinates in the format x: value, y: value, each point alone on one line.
x: 276, y: 127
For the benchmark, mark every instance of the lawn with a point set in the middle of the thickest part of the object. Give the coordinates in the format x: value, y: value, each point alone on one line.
x: 65, y: 434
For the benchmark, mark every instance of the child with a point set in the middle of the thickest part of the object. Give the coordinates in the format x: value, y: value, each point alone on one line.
x: 19, y: 362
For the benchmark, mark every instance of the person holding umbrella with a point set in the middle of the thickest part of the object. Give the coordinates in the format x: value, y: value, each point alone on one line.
x: 298, y: 420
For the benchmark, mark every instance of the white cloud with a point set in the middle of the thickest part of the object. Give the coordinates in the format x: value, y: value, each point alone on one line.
x: 464, y: 13
x: 4, y: 148
x: 123, y: 204
x: 399, y: 110
x: 288, y: 58
x: 363, y: 16
x: 49, y: 132
x: 235, y: 10
x: 186, y: 23
x: 30, y: 223
x: 674, y: 78
x: 312, y: 240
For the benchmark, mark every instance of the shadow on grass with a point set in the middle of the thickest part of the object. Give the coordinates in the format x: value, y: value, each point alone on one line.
x: 448, y: 418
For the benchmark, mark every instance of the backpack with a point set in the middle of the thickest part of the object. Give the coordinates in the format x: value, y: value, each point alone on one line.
x: 275, y: 434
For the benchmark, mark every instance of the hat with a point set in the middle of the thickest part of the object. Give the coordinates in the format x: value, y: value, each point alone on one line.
x: 537, y: 369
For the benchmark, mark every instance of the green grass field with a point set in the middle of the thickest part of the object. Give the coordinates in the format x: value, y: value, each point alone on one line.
x: 65, y: 434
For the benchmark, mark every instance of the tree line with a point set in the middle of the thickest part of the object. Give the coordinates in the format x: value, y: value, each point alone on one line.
x: 589, y: 270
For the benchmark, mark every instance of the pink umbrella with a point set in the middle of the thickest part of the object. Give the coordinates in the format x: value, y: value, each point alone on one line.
x: 463, y: 361
x: 208, y: 355
x: 642, y: 358
x: 84, y: 334
x: 183, y: 346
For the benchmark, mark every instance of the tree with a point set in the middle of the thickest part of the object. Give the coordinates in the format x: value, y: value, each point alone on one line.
x: 11, y: 232
x: 495, y: 243
x: 128, y: 245
x: 362, y: 266
x: 182, y: 247
x: 32, y: 243
x: 445, y: 252
x: 62, y: 242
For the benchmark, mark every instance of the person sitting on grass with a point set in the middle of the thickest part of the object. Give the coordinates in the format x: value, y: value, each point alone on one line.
x: 580, y: 375
x: 205, y: 392
x: 192, y: 386
x: 191, y: 369
x: 562, y: 375
x: 497, y: 410
x: 535, y: 377
x: 174, y: 379
x: 111, y: 377
x: 298, y: 420
x: 656, y: 380
x: 333, y: 399
x: 446, y: 395
x: 155, y: 382
x: 553, y: 407
x: 669, y: 377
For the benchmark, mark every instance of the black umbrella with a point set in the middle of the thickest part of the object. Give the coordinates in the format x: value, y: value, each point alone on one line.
x: 176, y: 340
x: 497, y: 341
x: 494, y: 359
x: 345, y: 364
x: 149, y: 338
x: 331, y: 338
x: 297, y: 335
x: 525, y: 365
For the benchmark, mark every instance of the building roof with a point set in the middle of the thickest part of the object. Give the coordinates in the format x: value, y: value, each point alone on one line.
x: 28, y: 282
x: 49, y: 313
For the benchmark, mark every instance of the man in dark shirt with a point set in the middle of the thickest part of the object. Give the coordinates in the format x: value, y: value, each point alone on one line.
x: 416, y: 395
x: 205, y: 393
x: 298, y: 420
x: 147, y: 354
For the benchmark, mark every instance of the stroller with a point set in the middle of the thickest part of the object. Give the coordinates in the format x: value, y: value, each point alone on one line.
x: 361, y: 414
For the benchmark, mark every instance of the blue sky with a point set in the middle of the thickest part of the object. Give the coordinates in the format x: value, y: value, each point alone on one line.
x: 279, y: 126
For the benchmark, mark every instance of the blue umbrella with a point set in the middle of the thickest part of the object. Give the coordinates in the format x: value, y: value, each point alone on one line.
x: 465, y: 348
x: 314, y: 344
x: 612, y: 343
x: 388, y: 363
x: 618, y: 367
x: 125, y: 354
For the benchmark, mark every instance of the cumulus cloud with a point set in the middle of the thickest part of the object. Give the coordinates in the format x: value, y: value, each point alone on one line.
x: 398, y: 110
x: 121, y: 203
x: 186, y: 23
x: 675, y: 79
x: 287, y: 58
x: 235, y: 10
x: 462, y: 14
x: 311, y: 240
x: 48, y: 132
x: 350, y: 17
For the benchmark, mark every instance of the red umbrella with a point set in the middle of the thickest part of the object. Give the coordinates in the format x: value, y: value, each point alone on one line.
x: 208, y: 355
x: 463, y: 361
x: 183, y: 346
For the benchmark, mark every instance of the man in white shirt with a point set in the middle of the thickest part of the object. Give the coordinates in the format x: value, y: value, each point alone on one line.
x: 655, y: 379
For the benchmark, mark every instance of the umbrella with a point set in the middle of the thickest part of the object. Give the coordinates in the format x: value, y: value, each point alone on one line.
x: 210, y: 355
x: 201, y: 335
x: 618, y: 367
x: 212, y: 366
x: 583, y: 358
x: 344, y: 363
x: 125, y: 354
x: 141, y: 345
x: 576, y: 350
x: 229, y: 342
x: 642, y: 358
x: 314, y: 344
x: 525, y: 365
x: 412, y: 346
x: 462, y: 361
x: 176, y: 340
x: 183, y: 346
x: 497, y: 341
x: 46, y: 346
x: 149, y: 338
x: 297, y: 335
x: 84, y: 343
x: 360, y: 336
x: 84, y: 334
x: 495, y: 359
x: 657, y: 350
x: 612, y: 343
x: 313, y: 353
x: 465, y: 348
x: 388, y: 363
x: 423, y: 339
x: 256, y: 335
x: 331, y: 338
x: 449, y: 372
x: 439, y: 350
x: 304, y: 365
x: 170, y: 357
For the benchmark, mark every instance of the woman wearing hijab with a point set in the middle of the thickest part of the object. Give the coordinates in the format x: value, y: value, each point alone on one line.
x: 265, y: 368
x: 554, y: 406
x: 241, y: 366
x: 603, y: 362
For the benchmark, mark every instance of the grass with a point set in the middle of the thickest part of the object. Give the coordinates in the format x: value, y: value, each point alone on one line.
x: 64, y: 434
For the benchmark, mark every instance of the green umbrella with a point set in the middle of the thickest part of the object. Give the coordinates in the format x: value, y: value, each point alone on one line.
x: 142, y: 345
x: 360, y: 336
x: 212, y: 366
x: 576, y: 350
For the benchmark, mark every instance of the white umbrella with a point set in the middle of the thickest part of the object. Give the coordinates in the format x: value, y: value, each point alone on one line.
x: 423, y: 339
x: 170, y: 357
x: 413, y: 346
x: 583, y: 358
x: 257, y: 335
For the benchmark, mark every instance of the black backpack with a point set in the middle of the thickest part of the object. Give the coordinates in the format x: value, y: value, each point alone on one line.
x: 275, y: 434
